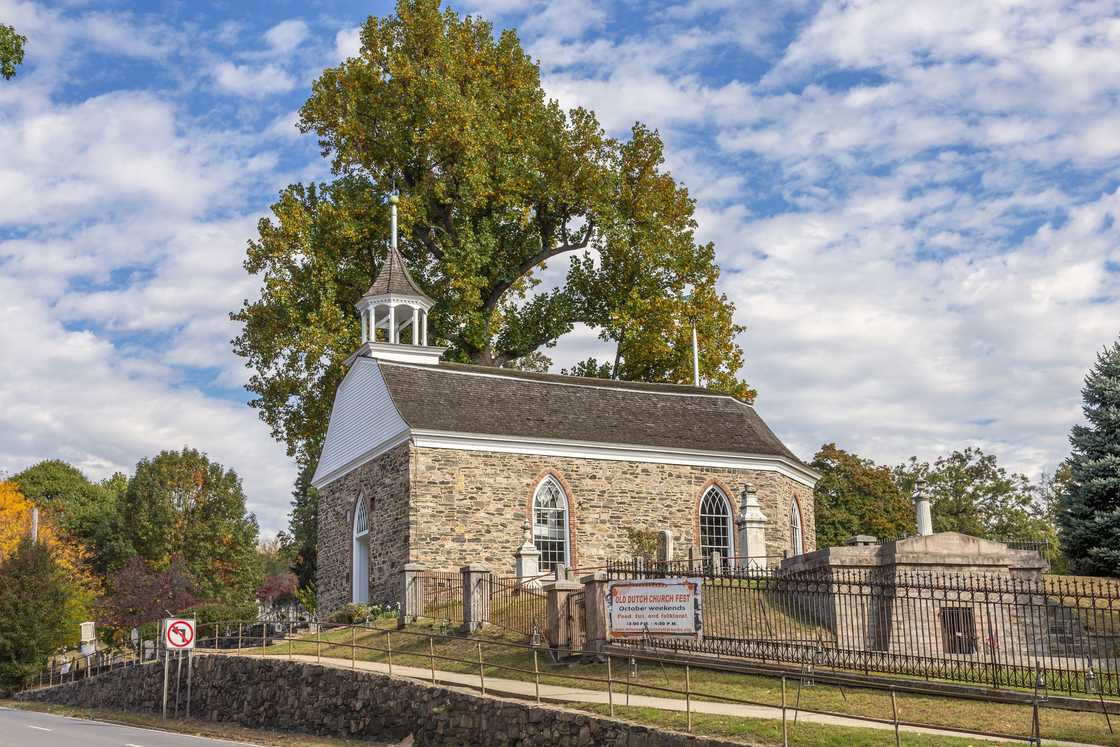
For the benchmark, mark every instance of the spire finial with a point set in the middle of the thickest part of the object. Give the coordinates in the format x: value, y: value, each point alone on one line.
x: 393, y: 200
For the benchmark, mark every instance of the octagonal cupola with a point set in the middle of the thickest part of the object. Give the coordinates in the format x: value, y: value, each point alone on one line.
x: 394, y: 311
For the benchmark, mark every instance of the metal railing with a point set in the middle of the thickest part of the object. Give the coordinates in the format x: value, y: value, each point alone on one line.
x: 518, y: 605
x: 344, y: 645
x: 973, y: 628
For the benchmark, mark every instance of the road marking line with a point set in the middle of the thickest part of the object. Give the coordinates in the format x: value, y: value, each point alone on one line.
x: 130, y: 744
x: 37, y: 728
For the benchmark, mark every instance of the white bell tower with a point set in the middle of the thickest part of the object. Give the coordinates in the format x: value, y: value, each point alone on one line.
x: 394, y: 311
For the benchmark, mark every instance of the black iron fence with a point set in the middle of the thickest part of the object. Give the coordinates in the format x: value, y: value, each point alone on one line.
x: 1001, y: 630
x: 518, y: 605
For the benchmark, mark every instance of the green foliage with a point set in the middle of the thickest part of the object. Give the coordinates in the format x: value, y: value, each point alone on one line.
x: 643, y: 543
x: 360, y: 614
x: 83, y: 511
x: 306, y: 596
x: 40, y: 609
x: 205, y: 615
x: 181, y: 503
x: 495, y: 181
x: 300, y: 544
x: 857, y: 496
x: 1089, y: 513
x: 11, y: 51
x: 970, y: 493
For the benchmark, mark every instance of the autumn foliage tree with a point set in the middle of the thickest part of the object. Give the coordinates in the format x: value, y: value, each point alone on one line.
x: 180, y: 504
x: 496, y: 181
x: 857, y: 496
x: 139, y: 594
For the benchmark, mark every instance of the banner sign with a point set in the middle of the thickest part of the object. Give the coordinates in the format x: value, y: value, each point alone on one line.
x: 654, y: 606
x: 178, y: 634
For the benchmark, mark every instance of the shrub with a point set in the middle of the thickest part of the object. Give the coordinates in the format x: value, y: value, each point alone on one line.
x: 359, y: 614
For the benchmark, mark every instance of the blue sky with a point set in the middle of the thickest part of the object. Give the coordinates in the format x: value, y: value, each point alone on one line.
x: 914, y: 206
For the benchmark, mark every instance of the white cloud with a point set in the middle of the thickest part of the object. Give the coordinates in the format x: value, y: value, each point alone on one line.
x: 347, y: 43
x: 286, y: 36
x: 252, y: 82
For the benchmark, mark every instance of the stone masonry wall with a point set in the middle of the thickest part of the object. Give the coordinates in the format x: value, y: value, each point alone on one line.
x: 383, y: 482
x: 295, y: 696
x: 468, y: 506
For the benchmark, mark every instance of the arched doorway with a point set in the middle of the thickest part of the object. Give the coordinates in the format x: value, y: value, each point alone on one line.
x: 360, y: 573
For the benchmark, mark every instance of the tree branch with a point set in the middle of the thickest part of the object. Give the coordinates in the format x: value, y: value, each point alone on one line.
x: 501, y: 288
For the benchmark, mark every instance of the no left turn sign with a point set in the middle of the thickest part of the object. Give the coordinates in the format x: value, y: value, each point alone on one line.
x: 178, y: 634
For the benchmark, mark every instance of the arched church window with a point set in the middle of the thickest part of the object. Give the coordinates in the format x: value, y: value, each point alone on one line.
x: 715, y: 525
x: 360, y: 574
x: 550, y: 524
x: 795, y: 528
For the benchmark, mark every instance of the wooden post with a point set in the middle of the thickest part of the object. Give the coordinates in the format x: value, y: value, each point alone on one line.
x: 432, y: 658
x: 289, y: 640
x: 536, y: 676
x: 785, y: 729
x: 481, y: 669
x: 239, y: 638
x: 610, y: 687
x: 353, y: 648
x: 894, y: 710
x: 389, y: 648
x: 688, y: 698
x: 318, y: 636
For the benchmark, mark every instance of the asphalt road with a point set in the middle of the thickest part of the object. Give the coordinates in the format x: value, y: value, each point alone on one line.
x: 31, y: 729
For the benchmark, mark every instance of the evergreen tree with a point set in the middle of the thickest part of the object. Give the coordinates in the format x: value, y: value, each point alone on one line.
x: 40, y: 609
x: 1089, y: 519
x: 300, y: 543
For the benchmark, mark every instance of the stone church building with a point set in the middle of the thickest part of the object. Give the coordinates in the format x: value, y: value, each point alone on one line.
x: 442, y: 463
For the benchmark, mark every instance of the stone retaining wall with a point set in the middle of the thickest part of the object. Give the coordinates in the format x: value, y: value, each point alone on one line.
x: 314, y: 699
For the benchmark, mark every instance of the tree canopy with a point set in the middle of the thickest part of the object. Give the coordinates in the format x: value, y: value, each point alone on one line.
x: 11, y: 51
x: 1089, y: 514
x: 495, y: 182
x: 856, y: 496
x: 182, y: 504
x: 40, y: 609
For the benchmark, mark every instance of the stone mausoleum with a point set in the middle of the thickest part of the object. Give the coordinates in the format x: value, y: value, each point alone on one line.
x: 440, y: 463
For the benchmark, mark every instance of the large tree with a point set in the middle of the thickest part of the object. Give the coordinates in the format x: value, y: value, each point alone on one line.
x: 1089, y: 515
x: 857, y: 496
x: 300, y: 544
x: 971, y: 493
x: 180, y: 504
x: 84, y: 511
x: 11, y: 51
x: 496, y: 181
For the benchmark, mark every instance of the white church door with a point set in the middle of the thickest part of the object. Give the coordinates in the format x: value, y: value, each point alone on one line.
x: 360, y: 573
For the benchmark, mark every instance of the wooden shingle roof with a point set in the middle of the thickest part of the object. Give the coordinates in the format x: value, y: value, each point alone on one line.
x: 502, y: 402
x: 394, y: 279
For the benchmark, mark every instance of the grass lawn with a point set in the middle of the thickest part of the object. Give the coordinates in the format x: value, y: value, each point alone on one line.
x: 193, y: 727
x: 413, y: 650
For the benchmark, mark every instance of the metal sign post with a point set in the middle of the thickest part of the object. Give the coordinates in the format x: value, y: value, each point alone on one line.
x: 178, y: 635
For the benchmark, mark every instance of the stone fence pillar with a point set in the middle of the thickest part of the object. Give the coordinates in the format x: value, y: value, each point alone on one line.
x: 558, y: 632
x: 595, y: 611
x: 476, y: 597
x: 412, y: 593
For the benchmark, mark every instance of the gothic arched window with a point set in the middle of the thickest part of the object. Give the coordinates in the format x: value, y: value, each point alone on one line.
x: 550, y: 524
x: 360, y: 572
x: 715, y: 525
x: 795, y: 544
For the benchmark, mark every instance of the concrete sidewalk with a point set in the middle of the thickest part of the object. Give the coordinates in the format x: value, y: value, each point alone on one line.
x: 562, y: 694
